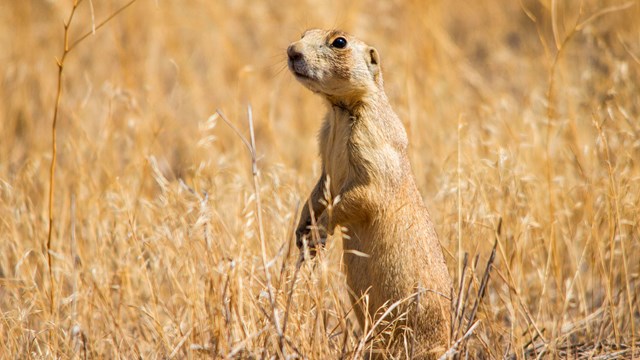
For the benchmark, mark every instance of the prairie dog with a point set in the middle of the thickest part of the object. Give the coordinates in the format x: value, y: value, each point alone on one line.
x: 392, y: 250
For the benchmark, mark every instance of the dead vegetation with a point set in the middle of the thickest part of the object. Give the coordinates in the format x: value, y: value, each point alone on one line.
x: 172, y: 223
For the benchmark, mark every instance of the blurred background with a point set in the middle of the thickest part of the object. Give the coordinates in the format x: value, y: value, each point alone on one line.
x: 519, y: 113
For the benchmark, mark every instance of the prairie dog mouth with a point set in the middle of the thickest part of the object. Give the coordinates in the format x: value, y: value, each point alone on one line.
x: 299, y: 69
x: 300, y: 75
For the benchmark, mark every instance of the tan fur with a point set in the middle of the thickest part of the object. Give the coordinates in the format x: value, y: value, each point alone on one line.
x: 363, y: 146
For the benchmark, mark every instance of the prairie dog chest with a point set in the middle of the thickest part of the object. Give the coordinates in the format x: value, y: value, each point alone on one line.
x: 334, y: 149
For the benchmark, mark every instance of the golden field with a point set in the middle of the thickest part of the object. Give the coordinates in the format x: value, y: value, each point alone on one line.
x: 524, y: 126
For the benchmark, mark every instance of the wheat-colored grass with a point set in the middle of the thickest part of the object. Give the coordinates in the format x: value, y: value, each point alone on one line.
x: 524, y: 126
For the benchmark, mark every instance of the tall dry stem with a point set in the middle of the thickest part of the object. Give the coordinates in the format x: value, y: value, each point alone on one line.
x: 60, y: 62
x: 251, y: 146
x: 54, y: 150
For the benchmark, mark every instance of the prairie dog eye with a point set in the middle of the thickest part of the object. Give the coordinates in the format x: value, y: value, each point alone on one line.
x: 339, y: 43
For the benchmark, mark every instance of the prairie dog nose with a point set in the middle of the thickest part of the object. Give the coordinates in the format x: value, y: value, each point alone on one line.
x: 293, y: 53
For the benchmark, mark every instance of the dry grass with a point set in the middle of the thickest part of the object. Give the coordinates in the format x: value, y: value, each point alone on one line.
x: 520, y: 113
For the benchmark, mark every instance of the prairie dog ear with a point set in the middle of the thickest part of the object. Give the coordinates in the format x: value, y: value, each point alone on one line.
x: 373, y: 62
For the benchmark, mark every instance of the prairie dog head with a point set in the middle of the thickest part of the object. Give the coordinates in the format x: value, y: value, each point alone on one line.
x: 335, y: 64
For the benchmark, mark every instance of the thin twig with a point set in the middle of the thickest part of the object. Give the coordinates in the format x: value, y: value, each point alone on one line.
x: 483, y: 284
x: 101, y: 24
x: 54, y: 149
x: 459, y: 301
x: 481, y: 291
x: 452, y: 350
x: 466, y: 296
x: 605, y: 11
x: 459, y: 200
